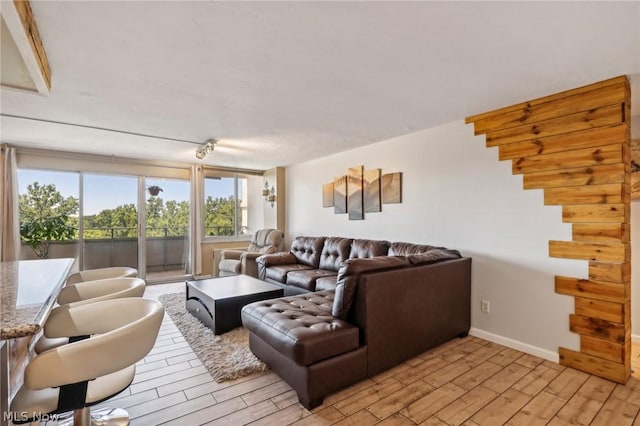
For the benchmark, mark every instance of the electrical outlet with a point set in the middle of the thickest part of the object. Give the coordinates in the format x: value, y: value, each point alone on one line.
x: 484, y: 306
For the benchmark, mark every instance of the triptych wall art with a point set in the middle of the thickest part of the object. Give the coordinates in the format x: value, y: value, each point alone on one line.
x: 362, y: 191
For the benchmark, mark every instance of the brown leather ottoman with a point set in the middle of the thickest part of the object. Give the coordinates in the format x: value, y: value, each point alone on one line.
x: 217, y: 302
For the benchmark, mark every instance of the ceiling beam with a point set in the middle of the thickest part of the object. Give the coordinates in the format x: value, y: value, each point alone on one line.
x: 19, y: 18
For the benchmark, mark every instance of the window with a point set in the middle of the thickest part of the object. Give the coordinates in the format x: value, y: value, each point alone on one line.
x: 232, y: 204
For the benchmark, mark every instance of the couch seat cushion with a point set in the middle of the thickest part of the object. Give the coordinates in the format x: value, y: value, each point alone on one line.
x: 279, y: 272
x: 301, y: 327
x: 307, y: 279
x: 326, y: 283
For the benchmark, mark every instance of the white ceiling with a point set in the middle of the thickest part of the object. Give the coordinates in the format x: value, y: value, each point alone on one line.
x: 281, y: 83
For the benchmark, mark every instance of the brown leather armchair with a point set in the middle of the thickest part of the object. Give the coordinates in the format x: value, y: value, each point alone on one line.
x: 235, y: 262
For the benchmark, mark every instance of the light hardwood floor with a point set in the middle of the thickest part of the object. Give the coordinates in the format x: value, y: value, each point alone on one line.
x: 465, y: 381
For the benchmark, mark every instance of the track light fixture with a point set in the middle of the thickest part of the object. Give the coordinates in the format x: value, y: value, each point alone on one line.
x: 206, y: 148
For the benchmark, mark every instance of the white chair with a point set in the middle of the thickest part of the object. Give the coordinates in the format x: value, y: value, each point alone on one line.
x: 76, y: 376
x: 90, y: 292
x: 101, y: 274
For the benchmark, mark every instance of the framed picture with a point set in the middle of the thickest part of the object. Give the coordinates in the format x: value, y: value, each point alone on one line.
x: 354, y: 191
x: 392, y: 188
x: 372, y: 199
x: 327, y: 195
x: 340, y: 195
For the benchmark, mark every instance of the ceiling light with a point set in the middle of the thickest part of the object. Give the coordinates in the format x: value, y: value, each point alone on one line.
x: 206, y: 148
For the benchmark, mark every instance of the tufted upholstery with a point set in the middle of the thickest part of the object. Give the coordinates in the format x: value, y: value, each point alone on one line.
x: 368, y: 248
x: 301, y: 327
x: 307, y: 250
x: 335, y: 251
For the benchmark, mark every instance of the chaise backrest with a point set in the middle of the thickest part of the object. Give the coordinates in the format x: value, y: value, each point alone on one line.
x: 362, y: 249
x: 267, y: 241
x: 307, y: 250
x: 334, y: 252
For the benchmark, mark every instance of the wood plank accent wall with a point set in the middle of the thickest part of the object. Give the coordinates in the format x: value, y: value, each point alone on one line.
x: 575, y: 145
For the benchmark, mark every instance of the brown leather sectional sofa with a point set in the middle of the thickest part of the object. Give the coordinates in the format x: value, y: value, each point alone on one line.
x: 373, y: 312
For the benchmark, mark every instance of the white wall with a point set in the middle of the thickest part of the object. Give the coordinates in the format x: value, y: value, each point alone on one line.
x: 457, y: 194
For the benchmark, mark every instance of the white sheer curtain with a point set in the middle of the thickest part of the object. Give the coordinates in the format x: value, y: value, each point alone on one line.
x: 9, y: 219
x: 197, y: 195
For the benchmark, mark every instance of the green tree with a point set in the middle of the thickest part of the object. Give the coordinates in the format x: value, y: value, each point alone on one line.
x: 45, y: 216
x: 219, y: 216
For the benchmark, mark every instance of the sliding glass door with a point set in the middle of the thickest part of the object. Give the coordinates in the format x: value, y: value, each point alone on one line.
x: 166, y: 236
x: 109, y: 223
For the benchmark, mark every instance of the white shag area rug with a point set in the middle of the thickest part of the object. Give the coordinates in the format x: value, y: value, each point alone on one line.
x: 226, y: 356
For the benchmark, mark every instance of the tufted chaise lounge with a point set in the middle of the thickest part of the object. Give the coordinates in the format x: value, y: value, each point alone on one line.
x: 383, y: 310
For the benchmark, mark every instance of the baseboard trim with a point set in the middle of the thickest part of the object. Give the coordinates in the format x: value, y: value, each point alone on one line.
x: 635, y: 338
x: 517, y: 345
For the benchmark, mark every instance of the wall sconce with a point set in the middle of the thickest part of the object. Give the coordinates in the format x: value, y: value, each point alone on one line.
x: 207, y: 147
x: 269, y: 194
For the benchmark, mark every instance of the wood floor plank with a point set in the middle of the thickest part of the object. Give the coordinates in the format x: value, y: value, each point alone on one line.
x: 244, y: 387
x: 286, y: 416
x: 477, y: 375
x: 207, y: 414
x: 433, y: 402
x: 166, y: 414
x: 506, y: 357
x: 184, y: 384
x: 466, y: 406
x: 506, y: 377
x: 172, y: 377
x: 421, y: 370
x: 567, y: 383
x: 502, y: 408
x: 266, y: 392
x: 324, y: 417
x: 149, y: 407
x: 368, y: 396
x: 539, y: 411
x: 396, y: 420
x: 246, y: 415
x: 400, y: 399
x: 361, y: 418
x: 448, y: 373
x: 616, y: 412
x: 536, y: 380
x: 583, y: 406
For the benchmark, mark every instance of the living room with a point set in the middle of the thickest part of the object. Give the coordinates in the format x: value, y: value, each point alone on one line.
x: 397, y: 101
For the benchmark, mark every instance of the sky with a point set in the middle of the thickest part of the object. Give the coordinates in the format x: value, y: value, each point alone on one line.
x: 109, y: 191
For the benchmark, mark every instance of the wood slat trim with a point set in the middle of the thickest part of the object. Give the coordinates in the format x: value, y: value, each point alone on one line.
x: 546, y: 99
x: 589, y: 289
x: 601, y: 348
x: 601, y: 213
x: 608, y: 311
x: 602, y: 232
x: 597, y: 175
x: 597, y: 252
x: 608, y: 154
x: 595, y: 327
x: 564, y: 142
x: 608, y: 95
x: 599, y: 117
x: 611, y: 193
x: 610, y: 272
x: 593, y: 365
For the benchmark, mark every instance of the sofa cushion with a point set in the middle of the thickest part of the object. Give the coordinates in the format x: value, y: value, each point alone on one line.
x: 326, y: 283
x: 350, y: 273
x: 307, y: 278
x: 279, y: 272
x: 334, y: 252
x: 405, y: 249
x: 307, y: 250
x: 301, y: 327
x: 361, y: 249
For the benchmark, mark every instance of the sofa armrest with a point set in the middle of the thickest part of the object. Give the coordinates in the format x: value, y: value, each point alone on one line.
x: 248, y: 263
x: 231, y: 254
x: 266, y: 260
